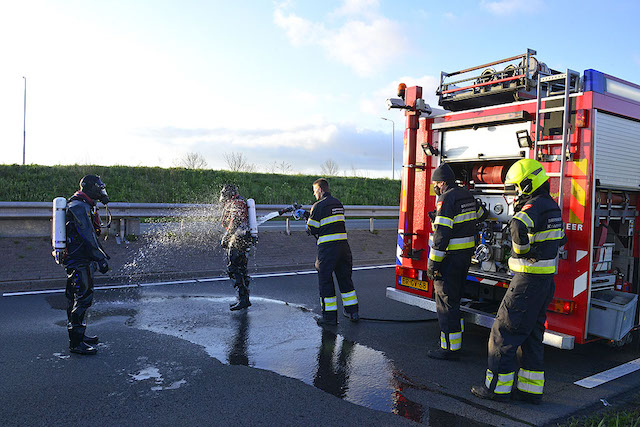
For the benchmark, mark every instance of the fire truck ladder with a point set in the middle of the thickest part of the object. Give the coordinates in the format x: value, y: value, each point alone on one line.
x: 555, y: 87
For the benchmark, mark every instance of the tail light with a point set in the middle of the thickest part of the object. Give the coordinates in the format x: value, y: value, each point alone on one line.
x: 411, y: 273
x: 581, y: 118
x: 562, y: 306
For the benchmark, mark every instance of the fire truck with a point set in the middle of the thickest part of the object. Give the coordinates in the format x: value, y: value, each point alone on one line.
x: 585, y: 131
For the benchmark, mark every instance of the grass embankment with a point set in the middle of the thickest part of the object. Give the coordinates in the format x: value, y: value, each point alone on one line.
x: 33, y: 183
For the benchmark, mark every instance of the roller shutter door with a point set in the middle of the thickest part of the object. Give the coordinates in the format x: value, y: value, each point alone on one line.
x: 617, y: 152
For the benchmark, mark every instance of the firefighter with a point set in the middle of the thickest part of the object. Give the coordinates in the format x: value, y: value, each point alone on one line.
x: 84, y: 254
x: 450, y: 252
x: 326, y: 223
x: 537, y: 233
x: 237, y: 241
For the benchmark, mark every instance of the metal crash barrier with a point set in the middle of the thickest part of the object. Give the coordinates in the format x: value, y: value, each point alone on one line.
x: 32, y: 219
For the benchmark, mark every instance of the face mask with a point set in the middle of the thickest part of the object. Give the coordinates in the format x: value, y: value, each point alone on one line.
x: 437, y: 189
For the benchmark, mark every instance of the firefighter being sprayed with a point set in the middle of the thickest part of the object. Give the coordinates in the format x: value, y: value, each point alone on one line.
x: 237, y: 241
x: 537, y: 234
x: 83, y: 255
x: 451, y: 249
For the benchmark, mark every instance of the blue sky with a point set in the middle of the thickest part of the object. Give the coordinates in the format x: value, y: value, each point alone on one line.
x: 142, y: 82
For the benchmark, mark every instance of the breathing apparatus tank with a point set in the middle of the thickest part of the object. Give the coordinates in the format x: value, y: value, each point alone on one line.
x: 58, y: 228
x: 253, y: 222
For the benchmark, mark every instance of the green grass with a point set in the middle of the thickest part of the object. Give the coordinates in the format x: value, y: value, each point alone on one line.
x: 625, y: 413
x: 33, y: 183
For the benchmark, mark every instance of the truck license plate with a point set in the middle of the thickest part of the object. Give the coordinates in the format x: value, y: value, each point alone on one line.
x: 413, y: 283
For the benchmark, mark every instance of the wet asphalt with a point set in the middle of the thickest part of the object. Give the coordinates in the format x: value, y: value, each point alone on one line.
x: 175, y: 355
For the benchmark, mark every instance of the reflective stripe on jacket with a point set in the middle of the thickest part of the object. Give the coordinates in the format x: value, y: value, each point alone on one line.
x: 455, y: 222
x: 537, y: 232
x: 326, y: 220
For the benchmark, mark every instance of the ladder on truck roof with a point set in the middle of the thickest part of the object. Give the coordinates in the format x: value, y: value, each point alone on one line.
x: 555, y: 87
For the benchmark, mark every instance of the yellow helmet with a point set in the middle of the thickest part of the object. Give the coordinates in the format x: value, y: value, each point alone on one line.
x: 526, y: 174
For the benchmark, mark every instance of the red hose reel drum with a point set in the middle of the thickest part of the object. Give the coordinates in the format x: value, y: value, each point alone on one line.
x: 489, y: 173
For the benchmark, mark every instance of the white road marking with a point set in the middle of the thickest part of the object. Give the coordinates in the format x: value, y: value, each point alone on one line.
x: 179, y: 282
x: 609, y: 375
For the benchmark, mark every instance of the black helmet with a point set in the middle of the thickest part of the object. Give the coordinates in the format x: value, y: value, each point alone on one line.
x: 443, y: 173
x: 227, y: 192
x: 92, y: 186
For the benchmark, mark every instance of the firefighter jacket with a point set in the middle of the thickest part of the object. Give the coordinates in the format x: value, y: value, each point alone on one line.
x: 326, y: 220
x: 83, y: 229
x: 537, y: 233
x: 454, y: 227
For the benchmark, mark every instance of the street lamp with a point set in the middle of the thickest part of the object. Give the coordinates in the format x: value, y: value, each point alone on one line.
x: 24, y: 122
x: 393, y: 147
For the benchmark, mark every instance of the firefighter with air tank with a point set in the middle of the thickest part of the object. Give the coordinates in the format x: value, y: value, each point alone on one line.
x: 537, y: 233
x: 76, y: 230
x: 450, y: 252
x: 237, y: 241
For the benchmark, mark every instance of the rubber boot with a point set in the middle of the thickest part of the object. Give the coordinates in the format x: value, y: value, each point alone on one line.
x: 329, y: 318
x: 90, y: 339
x: 77, y: 346
x: 243, y: 299
x: 483, y: 392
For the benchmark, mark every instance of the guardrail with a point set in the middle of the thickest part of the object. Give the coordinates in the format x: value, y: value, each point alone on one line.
x: 27, y: 218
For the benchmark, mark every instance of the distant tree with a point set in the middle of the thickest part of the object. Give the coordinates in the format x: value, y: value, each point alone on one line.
x: 329, y: 167
x: 281, y: 167
x: 284, y: 167
x: 192, y: 161
x: 237, y: 162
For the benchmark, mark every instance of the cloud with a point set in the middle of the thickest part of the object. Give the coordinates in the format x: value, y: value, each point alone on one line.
x: 510, y: 7
x: 357, y: 7
x: 365, y: 41
x: 305, y: 147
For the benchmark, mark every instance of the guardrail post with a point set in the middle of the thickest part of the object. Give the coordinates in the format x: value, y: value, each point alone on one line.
x: 288, y: 228
x: 371, y: 225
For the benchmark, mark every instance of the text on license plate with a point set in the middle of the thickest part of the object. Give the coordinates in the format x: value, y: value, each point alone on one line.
x: 413, y: 283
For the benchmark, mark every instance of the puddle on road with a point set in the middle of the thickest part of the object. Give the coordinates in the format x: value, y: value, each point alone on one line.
x: 285, y: 339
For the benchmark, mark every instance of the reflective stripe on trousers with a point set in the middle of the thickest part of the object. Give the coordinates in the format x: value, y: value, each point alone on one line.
x: 504, y: 382
x: 455, y: 341
x: 349, y: 298
x: 530, y: 381
x: 329, y: 304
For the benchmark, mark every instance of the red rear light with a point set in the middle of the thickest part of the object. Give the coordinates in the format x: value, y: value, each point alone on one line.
x: 406, y: 272
x: 562, y: 306
x: 581, y: 118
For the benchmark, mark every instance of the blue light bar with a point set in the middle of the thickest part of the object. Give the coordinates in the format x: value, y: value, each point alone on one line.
x: 603, y: 83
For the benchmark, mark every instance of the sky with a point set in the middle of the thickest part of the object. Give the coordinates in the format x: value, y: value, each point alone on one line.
x: 294, y: 83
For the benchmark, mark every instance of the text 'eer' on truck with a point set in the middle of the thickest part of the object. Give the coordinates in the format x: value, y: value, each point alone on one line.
x: 585, y: 131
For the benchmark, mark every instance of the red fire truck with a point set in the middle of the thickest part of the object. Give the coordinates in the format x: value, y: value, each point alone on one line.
x: 585, y: 130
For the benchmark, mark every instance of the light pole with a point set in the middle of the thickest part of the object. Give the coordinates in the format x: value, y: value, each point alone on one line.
x: 24, y: 123
x: 393, y: 147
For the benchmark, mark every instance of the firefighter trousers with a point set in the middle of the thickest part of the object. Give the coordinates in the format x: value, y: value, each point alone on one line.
x: 237, y: 268
x: 448, y: 289
x: 79, y: 293
x: 520, y: 324
x: 335, y: 257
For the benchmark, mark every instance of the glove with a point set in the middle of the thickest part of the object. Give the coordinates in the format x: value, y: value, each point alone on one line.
x: 299, y: 214
x: 224, y: 242
x: 103, y: 266
x: 433, y: 271
x: 432, y: 215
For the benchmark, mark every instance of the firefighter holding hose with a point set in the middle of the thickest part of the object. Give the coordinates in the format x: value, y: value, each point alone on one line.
x: 326, y: 223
